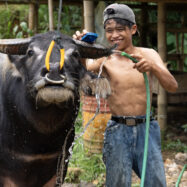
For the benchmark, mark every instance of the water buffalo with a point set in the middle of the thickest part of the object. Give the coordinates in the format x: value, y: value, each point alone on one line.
x: 38, y: 107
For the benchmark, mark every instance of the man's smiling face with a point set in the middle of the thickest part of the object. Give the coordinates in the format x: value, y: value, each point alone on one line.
x: 119, y: 34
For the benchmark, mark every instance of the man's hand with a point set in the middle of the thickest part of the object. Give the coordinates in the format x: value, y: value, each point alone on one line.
x: 78, y: 35
x: 143, y: 65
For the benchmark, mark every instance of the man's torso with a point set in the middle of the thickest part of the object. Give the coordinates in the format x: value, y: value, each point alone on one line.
x: 128, y: 96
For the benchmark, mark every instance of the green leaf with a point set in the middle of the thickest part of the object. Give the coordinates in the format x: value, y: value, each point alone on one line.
x: 24, y: 26
x: 19, y: 35
x: 15, y: 29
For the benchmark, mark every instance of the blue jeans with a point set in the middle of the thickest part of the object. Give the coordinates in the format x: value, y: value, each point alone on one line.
x: 124, y: 150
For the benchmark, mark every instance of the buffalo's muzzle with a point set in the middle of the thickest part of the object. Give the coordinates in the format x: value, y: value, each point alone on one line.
x: 54, y: 76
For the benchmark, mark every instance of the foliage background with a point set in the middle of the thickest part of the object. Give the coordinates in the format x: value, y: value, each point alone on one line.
x: 14, y: 20
x: 14, y: 24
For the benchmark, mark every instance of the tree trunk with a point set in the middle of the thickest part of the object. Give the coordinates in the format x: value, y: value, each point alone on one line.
x: 50, y: 9
x: 33, y: 17
x: 89, y: 16
x: 162, y: 97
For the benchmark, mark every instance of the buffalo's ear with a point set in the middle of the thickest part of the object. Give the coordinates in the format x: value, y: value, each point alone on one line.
x: 91, y: 85
x: 93, y: 51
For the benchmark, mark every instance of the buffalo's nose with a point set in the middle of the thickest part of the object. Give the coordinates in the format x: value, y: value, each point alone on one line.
x: 54, y: 75
x: 54, y: 71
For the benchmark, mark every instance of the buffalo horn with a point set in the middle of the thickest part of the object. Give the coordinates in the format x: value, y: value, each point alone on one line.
x: 14, y: 46
x: 93, y: 51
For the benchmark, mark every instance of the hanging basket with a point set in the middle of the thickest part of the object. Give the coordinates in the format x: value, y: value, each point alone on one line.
x: 94, y: 134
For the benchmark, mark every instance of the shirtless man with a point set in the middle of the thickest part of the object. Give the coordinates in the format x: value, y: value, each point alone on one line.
x: 125, y: 132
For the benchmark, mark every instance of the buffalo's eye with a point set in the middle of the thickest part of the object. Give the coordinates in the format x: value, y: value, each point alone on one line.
x: 76, y: 54
x: 30, y: 52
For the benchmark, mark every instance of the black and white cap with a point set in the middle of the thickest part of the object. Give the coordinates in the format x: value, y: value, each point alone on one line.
x: 119, y: 11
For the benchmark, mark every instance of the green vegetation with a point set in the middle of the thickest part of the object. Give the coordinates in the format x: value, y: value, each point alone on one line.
x: 21, y: 30
x: 176, y: 146
x: 71, y: 19
x: 14, y: 20
x: 91, y: 165
x: 185, y: 127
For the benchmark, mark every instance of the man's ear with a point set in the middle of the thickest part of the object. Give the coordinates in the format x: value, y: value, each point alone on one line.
x: 133, y: 29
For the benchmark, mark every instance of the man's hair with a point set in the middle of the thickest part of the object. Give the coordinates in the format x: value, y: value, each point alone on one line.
x: 123, y: 22
x: 120, y: 21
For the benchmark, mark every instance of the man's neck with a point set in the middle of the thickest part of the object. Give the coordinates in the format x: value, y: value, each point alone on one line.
x: 130, y: 49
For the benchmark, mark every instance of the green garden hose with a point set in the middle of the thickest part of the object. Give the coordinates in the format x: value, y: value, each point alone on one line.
x: 147, y: 120
x: 180, y: 176
x: 147, y: 127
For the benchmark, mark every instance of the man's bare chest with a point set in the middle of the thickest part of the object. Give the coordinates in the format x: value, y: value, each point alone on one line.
x: 123, y: 74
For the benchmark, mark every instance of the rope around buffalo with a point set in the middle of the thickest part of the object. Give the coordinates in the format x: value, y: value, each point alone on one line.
x: 61, y: 161
x: 59, y: 15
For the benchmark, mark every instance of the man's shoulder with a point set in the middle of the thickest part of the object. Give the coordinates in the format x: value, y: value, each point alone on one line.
x: 146, y: 50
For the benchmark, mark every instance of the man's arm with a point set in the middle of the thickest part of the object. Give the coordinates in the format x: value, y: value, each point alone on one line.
x: 89, y: 64
x: 92, y: 65
x: 150, y: 61
x: 78, y: 36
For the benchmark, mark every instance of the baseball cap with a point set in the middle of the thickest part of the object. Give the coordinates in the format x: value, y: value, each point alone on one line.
x: 119, y: 11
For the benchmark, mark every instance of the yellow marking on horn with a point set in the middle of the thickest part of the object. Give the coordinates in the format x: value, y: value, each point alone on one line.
x: 47, y: 58
x: 62, y: 51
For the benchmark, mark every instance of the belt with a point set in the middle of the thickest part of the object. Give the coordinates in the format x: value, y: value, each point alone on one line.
x: 130, y: 121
